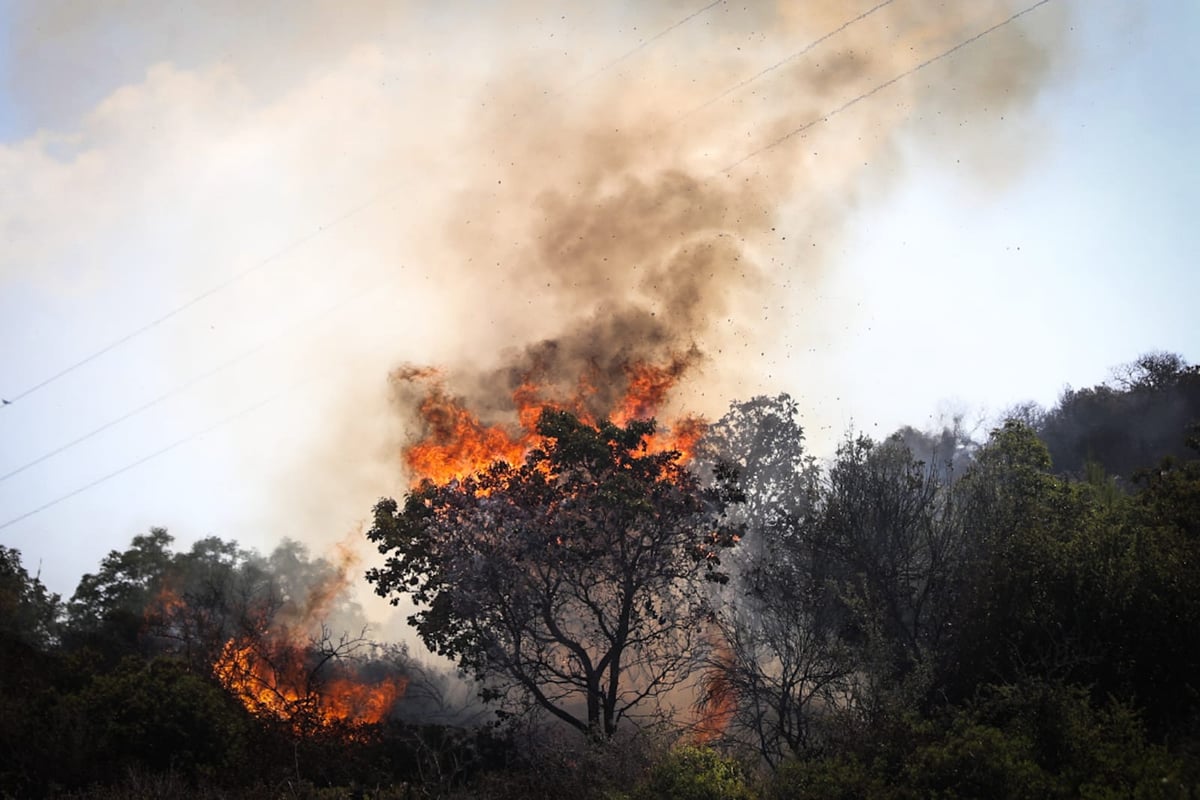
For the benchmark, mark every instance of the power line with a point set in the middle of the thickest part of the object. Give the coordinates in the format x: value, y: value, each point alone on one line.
x: 295, y: 244
x: 236, y: 278
x: 196, y: 380
x: 801, y: 52
x: 646, y: 43
x: 854, y: 101
x: 299, y: 242
x: 149, y: 457
x: 880, y: 87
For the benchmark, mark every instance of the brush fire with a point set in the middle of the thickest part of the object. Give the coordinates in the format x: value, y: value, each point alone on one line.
x: 280, y: 679
x: 261, y: 630
x: 456, y: 443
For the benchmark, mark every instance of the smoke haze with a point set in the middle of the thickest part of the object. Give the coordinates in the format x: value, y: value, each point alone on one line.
x: 622, y: 221
x: 498, y: 190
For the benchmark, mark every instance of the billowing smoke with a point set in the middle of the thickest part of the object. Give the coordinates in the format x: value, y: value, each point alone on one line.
x: 541, y: 191
x: 649, y: 214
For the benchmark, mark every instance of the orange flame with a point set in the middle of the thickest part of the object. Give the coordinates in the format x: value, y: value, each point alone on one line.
x: 280, y: 684
x: 272, y: 671
x: 719, y: 699
x: 457, y: 443
x: 165, y: 605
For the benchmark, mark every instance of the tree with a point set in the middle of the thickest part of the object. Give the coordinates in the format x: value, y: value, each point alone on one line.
x: 764, y: 441
x: 1128, y: 424
x: 571, y: 583
x: 28, y: 612
x: 778, y: 661
x: 106, y: 611
x: 885, y: 536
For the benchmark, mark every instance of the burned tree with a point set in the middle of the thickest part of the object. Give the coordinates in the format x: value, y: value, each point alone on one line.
x: 572, y: 583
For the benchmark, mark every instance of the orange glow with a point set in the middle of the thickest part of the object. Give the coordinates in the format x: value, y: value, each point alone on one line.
x: 273, y: 668
x: 273, y: 672
x: 456, y: 443
x: 719, y: 700
x: 280, y: 684
x: 648, y: 388
x: 166, y: 603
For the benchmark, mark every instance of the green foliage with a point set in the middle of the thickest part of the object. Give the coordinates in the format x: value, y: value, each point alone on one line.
x: 159, y: 716
x: 1022, y: 627
x: 1131, y: 423
x: 695, y: 773
x: 1033, y: 740
x: 832, y: 778
x: 106, y: 611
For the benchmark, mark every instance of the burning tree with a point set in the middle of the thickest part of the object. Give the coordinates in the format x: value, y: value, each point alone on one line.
x: 571, y: 583
x: 259, y: 625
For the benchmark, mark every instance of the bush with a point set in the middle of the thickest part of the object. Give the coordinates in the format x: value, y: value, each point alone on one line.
x: 695, y: 773
x: 834, y: 778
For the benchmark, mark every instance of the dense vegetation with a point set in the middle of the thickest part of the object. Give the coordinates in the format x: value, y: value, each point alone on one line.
x: 923, y: 616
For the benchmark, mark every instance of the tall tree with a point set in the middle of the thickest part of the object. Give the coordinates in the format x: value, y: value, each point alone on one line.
x: 885, y: 537
x: 572, y: 583
x: 778, y: 666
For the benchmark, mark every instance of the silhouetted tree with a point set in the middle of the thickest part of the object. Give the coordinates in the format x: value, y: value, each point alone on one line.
x: 886, y: 537
x: 779, y: 665
x: 28, y: 612
x: 570, y: 583
x: 1128, y: 425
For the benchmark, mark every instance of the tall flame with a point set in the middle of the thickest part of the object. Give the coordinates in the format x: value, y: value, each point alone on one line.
x: 457, y: 443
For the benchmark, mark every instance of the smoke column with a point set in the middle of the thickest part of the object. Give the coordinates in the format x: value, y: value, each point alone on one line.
x: 551, y: 203
x: 598, y: 226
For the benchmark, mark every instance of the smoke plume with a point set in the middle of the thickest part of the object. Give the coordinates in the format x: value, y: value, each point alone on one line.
x: 536, y: 191
x: 647, y: 214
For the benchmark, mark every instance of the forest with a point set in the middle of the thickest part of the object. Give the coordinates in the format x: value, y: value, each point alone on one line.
x: 1010, y: 613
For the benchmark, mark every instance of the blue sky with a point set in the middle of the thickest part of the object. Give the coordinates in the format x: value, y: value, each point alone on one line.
x: 947, y: 253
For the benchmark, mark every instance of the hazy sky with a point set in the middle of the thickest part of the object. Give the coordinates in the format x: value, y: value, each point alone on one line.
x: 287, y: 200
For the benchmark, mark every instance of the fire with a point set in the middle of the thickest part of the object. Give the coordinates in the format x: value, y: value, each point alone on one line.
x: 457, y: 443
x: 718, y: 701
x: 275, y: 671
x: 268, y: 660
x: 275, y: 679
x: 165, y: 604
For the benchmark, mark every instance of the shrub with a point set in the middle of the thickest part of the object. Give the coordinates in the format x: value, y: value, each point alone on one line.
x: 695, y: 773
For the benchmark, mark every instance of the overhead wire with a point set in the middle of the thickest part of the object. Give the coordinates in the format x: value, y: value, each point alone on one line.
x: 160, y: 452
x: 246, y: 354
x: 196, y: 380
x: 753, y: 154
x: 236, y: 278
x: 12, y: 399
x: 766, y: 71
x: 880, y: 87
x: 640, y: 46
x: 207, y: 293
